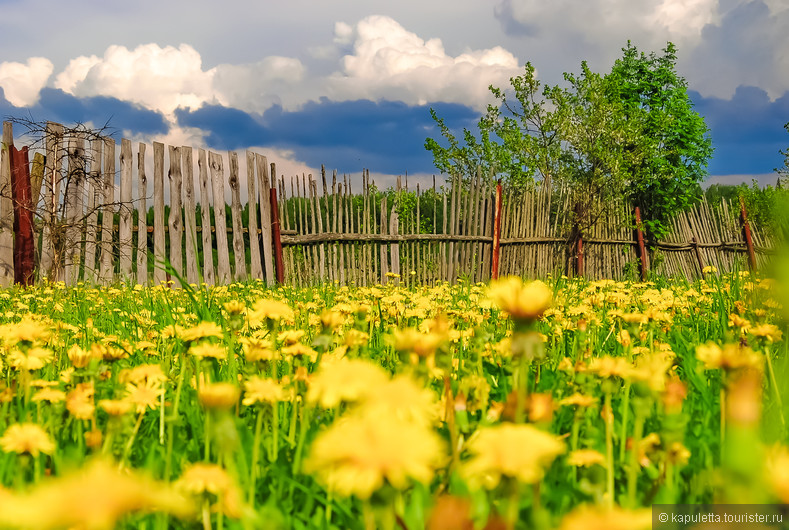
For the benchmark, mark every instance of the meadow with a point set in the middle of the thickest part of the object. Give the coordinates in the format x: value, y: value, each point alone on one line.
x: 561, y: 403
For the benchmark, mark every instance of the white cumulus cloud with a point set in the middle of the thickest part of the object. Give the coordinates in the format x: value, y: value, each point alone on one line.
x: 160, y: 78
x: 166, y: 78
x: 390, y: 62
x: 22, y: 82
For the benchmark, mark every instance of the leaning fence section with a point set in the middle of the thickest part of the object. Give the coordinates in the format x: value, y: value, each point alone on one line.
x: 94, y: 202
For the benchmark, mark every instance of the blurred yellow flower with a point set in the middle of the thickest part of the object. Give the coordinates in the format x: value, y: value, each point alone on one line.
x: 214, y: 483
x: 729, y: 357
x: 608, y: 366
x: 33, y: 358
x: 79, y: 357
x: 770, y: 332
x: 262, y: 390
x: 203, y: 330
x: 357, y: 454
x: 345, y: 381
x: 96, y: 497
x: 257, y: 349
x: 777, y: 471
x: 585, y: 458
x: 523, y: 302
x: 79, y: 402
x: 50, y: 395
x: 300, y: 350
x: 218, y: 395
x: 208, y: 350
x: 115, y: 407
x: 268, y: 309
x: 27, y: 438
x: 599, y: 518
x: 401, y: 398
x: 501, y: 450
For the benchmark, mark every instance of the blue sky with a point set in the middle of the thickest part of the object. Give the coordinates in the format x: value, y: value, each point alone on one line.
x: 349, y: 83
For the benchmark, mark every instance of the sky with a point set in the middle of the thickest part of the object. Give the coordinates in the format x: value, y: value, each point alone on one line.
x: 349, y: 83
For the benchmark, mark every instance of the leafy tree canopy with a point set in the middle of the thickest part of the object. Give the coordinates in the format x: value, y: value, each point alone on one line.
x: 631, y: 133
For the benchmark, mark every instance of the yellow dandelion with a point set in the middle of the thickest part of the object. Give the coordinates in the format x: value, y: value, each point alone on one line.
x: 585, y: 458
x: 268, y: 309
x: 300, y: 350
x: 208, y: 350
x: 256, y: 349
x: 211, y: 482
x: 218, y: 395
x: 27, y: 438
x: 79, y: 358
x: 97, y: 496
x: 598, y: 518
x: 401, y: 398
x: 203, y: 330
x: 79, y: 402
x: 728, y: 357
x: 524, y: 302
x: 115, y: 407
x: 142, y: 373
x: 499, y: 451
x: 358, y: 454
x: 291, y: 336
x: 262, y: 390
x: 144, y: 395
x: 608, y: 366
x: 769, y: 332
x: 50, y: 395
x: 777, y: 471
x: 345, y: 381
x: 32, y: 359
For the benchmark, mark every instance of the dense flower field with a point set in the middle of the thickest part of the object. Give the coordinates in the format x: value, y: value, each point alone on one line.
x: 564, y: 404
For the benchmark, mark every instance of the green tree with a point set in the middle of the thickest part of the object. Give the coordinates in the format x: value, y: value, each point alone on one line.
x: 599, y: 143
x: 667, y: 179
x: 630, y: 133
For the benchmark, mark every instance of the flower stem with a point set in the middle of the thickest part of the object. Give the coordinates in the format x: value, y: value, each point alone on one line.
x: 632, y: 472
x: 774, y: 384
x: 128, y: 448
x: 609, y: 449
x: 253, y: 470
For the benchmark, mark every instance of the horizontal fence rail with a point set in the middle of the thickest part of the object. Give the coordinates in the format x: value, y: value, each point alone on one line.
x: 110, y: 212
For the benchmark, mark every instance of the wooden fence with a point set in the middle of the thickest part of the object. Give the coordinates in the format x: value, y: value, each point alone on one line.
x: 93, y: 224
x: 369, y: 237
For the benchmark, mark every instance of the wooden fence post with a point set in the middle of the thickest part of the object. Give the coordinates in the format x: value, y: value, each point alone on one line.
x: 642, y: 251
x: 746, y: 231
x: 23, y: 216
x: 695, y: 244
x: 579, y: 244
x: 494, y: 261
x: 6, y: 210
x: 276, y: 236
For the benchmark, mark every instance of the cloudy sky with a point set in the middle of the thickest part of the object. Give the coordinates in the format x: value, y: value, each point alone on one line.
x: 349, y: 83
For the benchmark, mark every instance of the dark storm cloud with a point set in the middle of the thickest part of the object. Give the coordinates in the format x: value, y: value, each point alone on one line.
x: 747, y: 130
x: 385, y: 136
x: 56, y: 105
